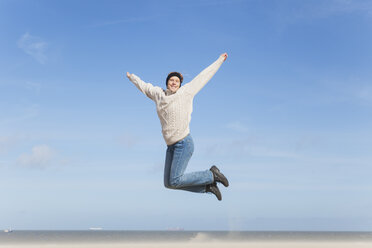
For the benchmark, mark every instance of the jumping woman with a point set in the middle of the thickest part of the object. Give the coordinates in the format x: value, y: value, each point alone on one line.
x: 174, y: 107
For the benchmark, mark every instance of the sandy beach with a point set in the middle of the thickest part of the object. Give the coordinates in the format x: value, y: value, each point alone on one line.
x: 184, y: 239
x: 282, y: 244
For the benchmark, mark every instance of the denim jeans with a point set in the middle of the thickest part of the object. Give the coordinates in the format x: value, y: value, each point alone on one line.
x: 177, y: 158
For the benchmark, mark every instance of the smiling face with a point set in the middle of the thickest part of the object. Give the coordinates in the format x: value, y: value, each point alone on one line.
x: 174, y: 84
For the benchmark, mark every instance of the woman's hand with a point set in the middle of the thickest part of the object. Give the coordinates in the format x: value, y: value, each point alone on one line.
x: 225, y: 56
x: 128, y: 74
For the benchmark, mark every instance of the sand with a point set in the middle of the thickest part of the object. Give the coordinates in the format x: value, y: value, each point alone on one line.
x: 263, y: 244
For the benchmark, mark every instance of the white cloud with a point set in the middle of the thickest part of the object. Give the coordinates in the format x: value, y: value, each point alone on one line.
x: 249, y: 146
x: 6, y: 142
x: 128, y: 140
x: 237, y: 126
x: 337, y: 7
x: 32, y: 86
x: 355, y: 90
x: 33, y: 46
x: 347, y: 6
x: 263, y: 151
x: 41, y: 156
x: 205, y: 3
x: 364, y: 93
x: 21, y: 114
x: 307, y: 10
x: 127, y: 20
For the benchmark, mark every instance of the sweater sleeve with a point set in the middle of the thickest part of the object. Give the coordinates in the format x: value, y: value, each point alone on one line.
x: 146, y: 88
x: 195, y: 85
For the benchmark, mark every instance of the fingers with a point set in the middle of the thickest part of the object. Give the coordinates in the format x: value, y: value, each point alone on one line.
x: 225, y: 56
x: 128, y: 74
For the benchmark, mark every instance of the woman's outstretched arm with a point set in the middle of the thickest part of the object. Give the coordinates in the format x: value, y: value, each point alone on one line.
x: 203, y: 77
x: 146, y: 88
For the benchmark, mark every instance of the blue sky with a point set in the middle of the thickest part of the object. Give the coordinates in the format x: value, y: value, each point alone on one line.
x: 287, y: 117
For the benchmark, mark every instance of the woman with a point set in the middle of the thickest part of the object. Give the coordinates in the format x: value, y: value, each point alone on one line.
x: 174, y: 108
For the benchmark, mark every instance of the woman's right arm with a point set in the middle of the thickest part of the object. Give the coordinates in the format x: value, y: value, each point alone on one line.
x: 146, y: 88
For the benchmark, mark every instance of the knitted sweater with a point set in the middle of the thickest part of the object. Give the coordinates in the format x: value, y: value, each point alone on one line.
x: 174, y: 109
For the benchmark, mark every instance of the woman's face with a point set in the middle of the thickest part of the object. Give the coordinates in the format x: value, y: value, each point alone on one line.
x: 174, y: 84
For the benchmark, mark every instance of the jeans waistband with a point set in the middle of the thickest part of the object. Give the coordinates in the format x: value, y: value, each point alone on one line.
x: 189, y: 135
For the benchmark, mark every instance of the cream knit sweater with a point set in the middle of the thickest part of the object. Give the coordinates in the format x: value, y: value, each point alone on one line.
x: 174, y: 110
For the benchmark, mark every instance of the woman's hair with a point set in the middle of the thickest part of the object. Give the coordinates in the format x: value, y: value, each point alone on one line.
x: 177, y: 74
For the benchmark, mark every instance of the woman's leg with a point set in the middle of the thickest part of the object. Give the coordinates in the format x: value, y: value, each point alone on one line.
x: 167, y: 167
x: 178, y: 156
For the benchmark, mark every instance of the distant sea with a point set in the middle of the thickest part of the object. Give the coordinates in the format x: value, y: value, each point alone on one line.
x: 101, y: 236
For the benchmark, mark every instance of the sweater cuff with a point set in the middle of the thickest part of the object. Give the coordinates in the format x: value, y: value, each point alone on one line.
x: 220, y: 59
x: 133, y: 77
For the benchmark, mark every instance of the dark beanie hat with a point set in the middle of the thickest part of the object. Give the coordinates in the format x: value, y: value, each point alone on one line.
x: 177, y: 74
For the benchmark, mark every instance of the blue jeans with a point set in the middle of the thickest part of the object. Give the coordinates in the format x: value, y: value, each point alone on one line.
x: 177, y: 158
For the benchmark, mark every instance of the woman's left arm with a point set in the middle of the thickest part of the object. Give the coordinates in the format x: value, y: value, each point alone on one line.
x: 195, y: 85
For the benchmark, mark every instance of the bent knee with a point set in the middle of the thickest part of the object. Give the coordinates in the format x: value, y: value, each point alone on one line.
x: 173, y: 184
x: 168, y: 185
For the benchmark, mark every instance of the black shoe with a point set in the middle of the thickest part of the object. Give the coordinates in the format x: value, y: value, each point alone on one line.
x: 212, y: 188
x: 218, y: 176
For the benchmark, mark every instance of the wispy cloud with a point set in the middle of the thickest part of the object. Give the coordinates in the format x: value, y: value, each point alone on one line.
x: 307, y: 10
x: 6, y: 142
x: 40, y: 157
x: 122, y: 21
x: 33, y: 46
x: 248, y: 146
x: 24, y: 114
x: 352, y: 90
x: 295, y: 186
x: 269, y: 152
x: 260, y: 147
x: 237, y: 126
x: 210, y: 2
x: 364, y: 93
x: 345, y: 6
x: 128, y: 140
x: 32, y: 86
